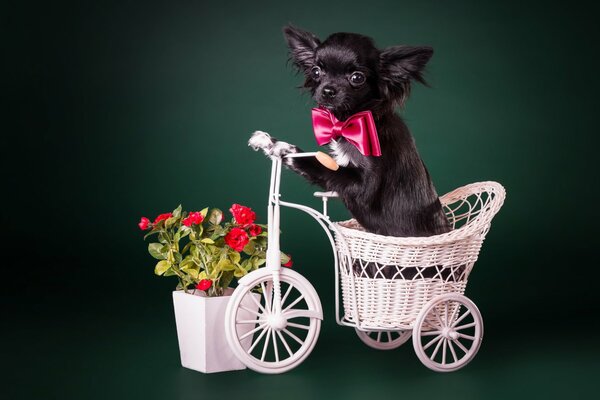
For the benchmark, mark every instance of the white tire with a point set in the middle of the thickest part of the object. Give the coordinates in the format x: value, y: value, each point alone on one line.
x: 384, y: 340
x: 448, y: 332
x: 273, y: 347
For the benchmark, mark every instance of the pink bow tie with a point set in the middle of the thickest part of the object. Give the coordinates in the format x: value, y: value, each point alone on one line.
x: 359, y: 130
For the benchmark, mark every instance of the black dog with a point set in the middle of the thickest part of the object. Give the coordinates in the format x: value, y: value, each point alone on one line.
x: 391, y: 194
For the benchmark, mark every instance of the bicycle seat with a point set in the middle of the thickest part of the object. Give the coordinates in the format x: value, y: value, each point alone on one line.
x: 325, y: 194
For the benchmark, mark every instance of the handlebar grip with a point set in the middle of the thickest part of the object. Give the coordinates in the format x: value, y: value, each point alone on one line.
x: 327, y: 161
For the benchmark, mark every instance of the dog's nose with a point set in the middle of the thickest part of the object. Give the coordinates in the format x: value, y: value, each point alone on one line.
x: 329, y: 91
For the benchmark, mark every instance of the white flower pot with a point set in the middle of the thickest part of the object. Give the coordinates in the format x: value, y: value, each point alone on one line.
x: 201, y: 331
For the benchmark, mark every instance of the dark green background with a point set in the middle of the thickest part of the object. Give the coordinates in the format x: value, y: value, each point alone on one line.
x: 114, y: 110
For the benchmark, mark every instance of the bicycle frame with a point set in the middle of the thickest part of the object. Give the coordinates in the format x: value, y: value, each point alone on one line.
x: 273, y: 250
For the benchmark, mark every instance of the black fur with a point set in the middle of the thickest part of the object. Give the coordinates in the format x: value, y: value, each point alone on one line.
x: 389, y: 195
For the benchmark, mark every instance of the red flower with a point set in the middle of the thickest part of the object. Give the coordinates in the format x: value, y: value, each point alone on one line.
x: 144, y: 223
x: 195, y: 218
x: 243, y: 215
x: 237, y: 238
x: 162, y: 217
x: 204, y: 284
x: 254, y: 230
x: 289, y: 263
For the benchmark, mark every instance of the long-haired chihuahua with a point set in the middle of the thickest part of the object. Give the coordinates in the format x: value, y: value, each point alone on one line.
x: 389, y: 193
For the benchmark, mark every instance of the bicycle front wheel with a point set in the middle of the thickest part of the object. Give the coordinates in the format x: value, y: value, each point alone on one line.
x: 268, y: 341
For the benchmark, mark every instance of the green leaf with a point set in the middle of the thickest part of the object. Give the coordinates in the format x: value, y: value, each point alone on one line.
x: 235, y: 257
x: 155, y: 250
x: 249, y: 248
x: 161, y: 267
x: 169, y: 223
x: 152, y: 232
x: 246, y: 264
x: 214, y: 250
x: 240, y: 272
x: 186, y: 247
x: 204, y: 211
x: 226, y: 279
x: 215, y: 216
x: 225, y: 265
x: 177, y: 212
x: 208, y: 240
x: 214, y: 271
x: 177, y: 257
x: 218, y: 232
x: 193, y: 272
x: 187, y: 263
x: 163, y: 237
x: 284, y: 258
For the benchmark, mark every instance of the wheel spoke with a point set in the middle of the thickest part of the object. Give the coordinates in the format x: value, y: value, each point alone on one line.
x: 252, y: 331
x: 294, y: 303
x: 379, y: 336
x: 270, y: 296
x: 460, y: 346
x: 300, y: 313
x: 266, y: 345
x: 257, y: 339
x: 431, y: 324
x: 250, y: 321
x: 465, y: 326
x: 285, y: 344
x: 452, y: 351
x: 258, y: 304
x: 454, y: 312
x: 438, y: 318
x: 294, y: 337
x: 275, y: 346
x: 446, y: 313
x: 462, y: 317
x: 462, y: 335
x: 267, y: 295
x: 430, y: 333
x: 432, y: 342
x: 287, y: 292
x: 389, y: 336
x: 307, y: 327
x: 437, y: 347
x: 444, y: 351
x: 251, y: 311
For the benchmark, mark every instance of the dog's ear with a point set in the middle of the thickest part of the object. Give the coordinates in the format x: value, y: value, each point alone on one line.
x: 302, y: 45
x: 405, y: 62
x: 399, y: 65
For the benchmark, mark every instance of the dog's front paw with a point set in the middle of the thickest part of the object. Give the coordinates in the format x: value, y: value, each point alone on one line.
x: 261, y: 140
x: 282, y: 149
x: 271, y: 146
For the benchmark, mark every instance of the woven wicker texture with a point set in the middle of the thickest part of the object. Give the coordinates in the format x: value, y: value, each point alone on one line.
x: 395, y: 276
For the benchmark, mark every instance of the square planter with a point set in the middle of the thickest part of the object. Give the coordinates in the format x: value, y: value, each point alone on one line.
x: 201, y: 331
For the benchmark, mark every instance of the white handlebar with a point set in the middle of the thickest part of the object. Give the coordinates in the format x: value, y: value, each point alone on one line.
x: 307, y: 154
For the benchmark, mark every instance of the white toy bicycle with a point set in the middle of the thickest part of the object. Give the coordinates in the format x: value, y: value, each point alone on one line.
x: 423, y: 298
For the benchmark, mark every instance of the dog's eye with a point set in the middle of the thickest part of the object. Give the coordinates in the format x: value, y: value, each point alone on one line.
x: 315, y: 73
x: 357, y: 78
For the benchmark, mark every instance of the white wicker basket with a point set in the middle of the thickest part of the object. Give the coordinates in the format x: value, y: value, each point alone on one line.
x: 387, y: 280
